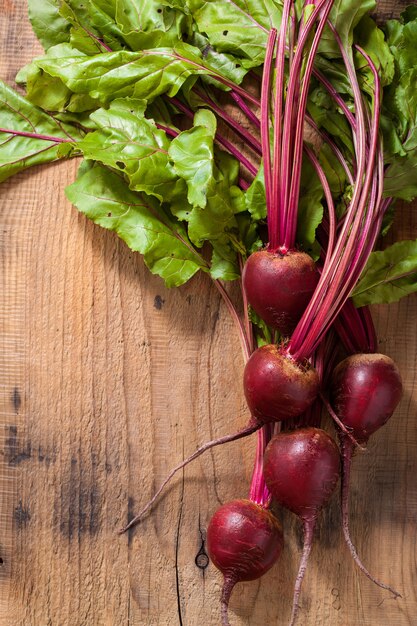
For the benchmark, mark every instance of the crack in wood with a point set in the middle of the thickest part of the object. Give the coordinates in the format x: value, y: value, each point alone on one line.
x: 177, y: 546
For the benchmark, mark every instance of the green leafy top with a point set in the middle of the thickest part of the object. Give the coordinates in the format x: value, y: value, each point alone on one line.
x: 104, y: 89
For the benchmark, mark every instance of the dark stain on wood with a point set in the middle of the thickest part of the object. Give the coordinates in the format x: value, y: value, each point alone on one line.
x: 158, y: 302
x: 16, y: 399
x: 47, y: 457
x: 21, y: 515
x: 12, y: 450
x: 78, y: 510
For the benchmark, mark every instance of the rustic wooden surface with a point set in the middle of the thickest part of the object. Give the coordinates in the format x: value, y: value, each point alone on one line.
x: 107, y: 380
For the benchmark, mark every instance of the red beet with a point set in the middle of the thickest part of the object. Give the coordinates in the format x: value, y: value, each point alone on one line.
x: 244, y: 540
x: 277, y: 387
x: 279, y: 287
x: 301, y: 470
x: 365, y: 390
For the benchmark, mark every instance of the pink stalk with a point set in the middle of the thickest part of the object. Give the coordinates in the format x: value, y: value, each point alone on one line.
x: 216, y: 75
x: 247, y: 321
x: 336, y: 97
x: 333, y: 146
x: 329, y: 201
x: 24, y: 133
x: 350, y: 330
x: 292, y: 34
x: 231, y: 122
x: 259, y: 492
x: 169, y: 131
x: 294, y: 187
x: 244, y: 339
x: 237, y: 154
x: 265, y: 122
x: 368, y: 325
x: 273, y: 223
x: 320, y: 313
x: 252, y: 117
x: 287, y: 141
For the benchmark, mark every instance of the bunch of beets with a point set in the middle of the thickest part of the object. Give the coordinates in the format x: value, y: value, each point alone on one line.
x: 305, y: 303
x: 142, y: 90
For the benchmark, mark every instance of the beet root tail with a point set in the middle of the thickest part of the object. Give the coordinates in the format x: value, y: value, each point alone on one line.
x: 347, y: 453
x: 228, y: 586
x: 248, y: 430
x: 308, y: 542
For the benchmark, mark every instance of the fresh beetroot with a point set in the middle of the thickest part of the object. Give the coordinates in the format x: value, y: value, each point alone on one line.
x: 365, y: 390
x: 279, y: 286
x: 301, y: 470
x: 244, y: 540
x: 277, y: 387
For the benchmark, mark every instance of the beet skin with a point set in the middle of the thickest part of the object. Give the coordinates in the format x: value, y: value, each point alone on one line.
x: 243, y: 540
x: 365, y: 390
x: 301, y: 469
x: 279, y: 287
x: 276, y: 387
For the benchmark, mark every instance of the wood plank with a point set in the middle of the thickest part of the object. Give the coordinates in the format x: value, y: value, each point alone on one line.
x: 107, y: 380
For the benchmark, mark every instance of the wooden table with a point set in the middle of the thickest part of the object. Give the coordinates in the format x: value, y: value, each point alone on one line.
x: 107, y: 380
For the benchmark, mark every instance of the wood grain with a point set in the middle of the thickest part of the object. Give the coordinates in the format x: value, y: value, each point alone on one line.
x: 107, y: 380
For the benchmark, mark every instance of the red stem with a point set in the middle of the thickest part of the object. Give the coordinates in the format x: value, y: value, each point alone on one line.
x: 336, y: 97
x: 332, y: 291
x: 252, y: 117
x: 273, y: 223
x: 259, y: 492
x: 36, y: 136
x: 329, y: 201
x: 333, y: 146
x: 265, y: 123
x: 244, y: 338
x: 350, y: 329
x: 287, y: 142
x: 294, y: 188
x: 231, y: 122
